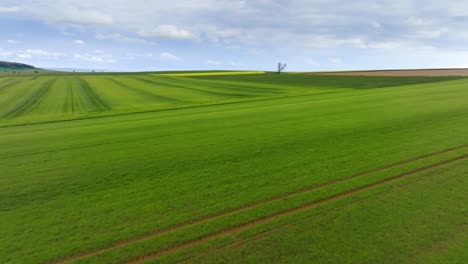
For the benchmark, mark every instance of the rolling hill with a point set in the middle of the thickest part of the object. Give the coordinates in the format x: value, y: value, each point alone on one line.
x: 15, y: 66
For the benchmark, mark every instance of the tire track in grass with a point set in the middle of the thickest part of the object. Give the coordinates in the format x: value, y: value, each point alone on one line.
x: 30, y: 102
x: 72, y: 99
x: 68, y: 106
x: 298, y: 209
x: 98, y: 102
x: 265, y: 233
x: 4, y: 87
x: 253, y: 205
x: 144, y: 92
x: 7, y: 83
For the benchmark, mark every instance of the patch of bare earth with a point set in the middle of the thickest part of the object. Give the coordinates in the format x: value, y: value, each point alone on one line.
x: 420, y: 72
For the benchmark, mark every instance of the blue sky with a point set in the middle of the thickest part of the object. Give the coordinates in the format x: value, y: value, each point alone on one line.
x: 213, y: 34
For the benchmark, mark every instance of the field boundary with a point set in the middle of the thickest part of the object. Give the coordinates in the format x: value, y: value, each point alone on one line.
x: 253, y: 205
x: 440, y: 72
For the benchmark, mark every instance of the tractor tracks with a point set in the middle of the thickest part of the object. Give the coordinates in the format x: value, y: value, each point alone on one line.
x: 301, y: 208
x: 253, y: 205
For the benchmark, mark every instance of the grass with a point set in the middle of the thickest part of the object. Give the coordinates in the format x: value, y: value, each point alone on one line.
x: 89, y: 161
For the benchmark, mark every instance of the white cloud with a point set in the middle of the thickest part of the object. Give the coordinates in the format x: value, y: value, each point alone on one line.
x: 376, y: 24
x: 79, y: 42
x: 416, y: 21
x: 327, y: 41
x: 134, y: 56
x: 123, y: 38
x: 429, y: 34
x: 213, y: 62
x: 253, y: 51
x: 9, y: 9
x: 94, y: 58
x: 44, y: 53
x: 12, y: 41
x: 5, y: 54
x: 385, y: 45
x: 169, y: 56
x: 70, y: 15
x: 169, y: 32
x: 24, y: 55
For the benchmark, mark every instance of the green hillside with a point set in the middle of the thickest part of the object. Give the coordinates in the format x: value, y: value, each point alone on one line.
x: 4, y: 65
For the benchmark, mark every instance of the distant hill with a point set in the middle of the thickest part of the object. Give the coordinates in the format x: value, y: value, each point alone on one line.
x: 14, y: 65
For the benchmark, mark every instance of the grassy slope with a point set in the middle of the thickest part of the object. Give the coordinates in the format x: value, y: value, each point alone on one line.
x: 73, y: 186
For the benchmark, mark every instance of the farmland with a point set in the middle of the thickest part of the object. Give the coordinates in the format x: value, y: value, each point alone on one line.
x: 235, y: 167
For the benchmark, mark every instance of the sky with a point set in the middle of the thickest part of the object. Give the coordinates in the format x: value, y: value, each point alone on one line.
x: 308, y: 35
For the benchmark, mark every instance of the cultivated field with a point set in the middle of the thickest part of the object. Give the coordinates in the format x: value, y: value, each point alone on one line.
x: 251, y: 167
x: 415, y: 72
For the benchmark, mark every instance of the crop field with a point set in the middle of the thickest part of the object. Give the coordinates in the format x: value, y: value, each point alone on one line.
x: 239, y: 168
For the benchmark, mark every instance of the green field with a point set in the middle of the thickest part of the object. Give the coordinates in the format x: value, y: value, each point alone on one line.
x: 290, y: 168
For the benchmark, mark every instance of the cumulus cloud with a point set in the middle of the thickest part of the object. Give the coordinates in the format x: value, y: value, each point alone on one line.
x: 169, y: 56
x: 9, y: 9
x: 5, y: 54
x: 169, y: 32
x: 76, y: 16
x: 100, y: 58
x: 61, y: 12
x: 417, y: 21
x: 79, y: 42
x: 23, y: 55
x: 123, y: 38
x: 44, y: 53
x: 429, y: 34
x: 376, y: 24
x: 31, y: 53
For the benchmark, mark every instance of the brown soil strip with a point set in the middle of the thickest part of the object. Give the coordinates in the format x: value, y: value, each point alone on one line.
x: 242, y: 208
x: 416, y: 72
x: 266, y: 219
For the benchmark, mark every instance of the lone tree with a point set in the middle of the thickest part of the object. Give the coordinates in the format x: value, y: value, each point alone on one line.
x: 281, y: 67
